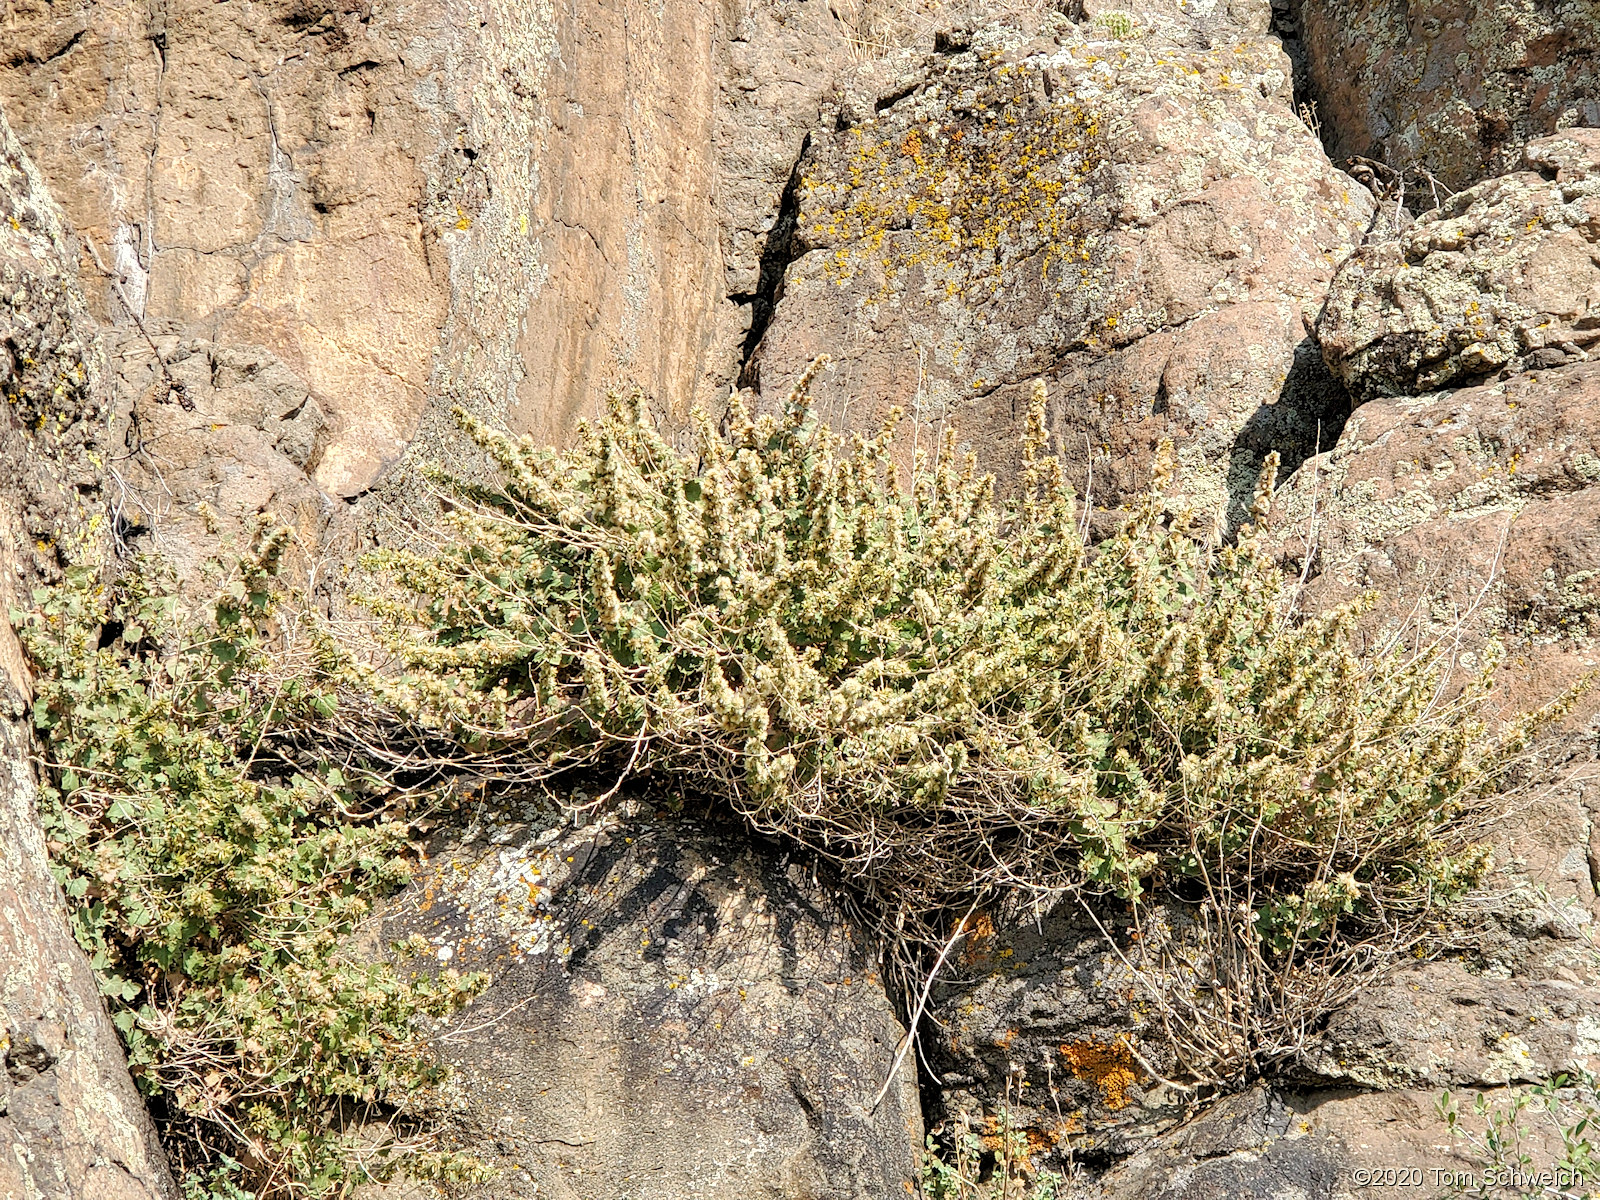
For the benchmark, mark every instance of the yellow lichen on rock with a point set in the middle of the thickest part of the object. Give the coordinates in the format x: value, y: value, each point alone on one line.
x: 980, y: 189
x: 1109, y: 1066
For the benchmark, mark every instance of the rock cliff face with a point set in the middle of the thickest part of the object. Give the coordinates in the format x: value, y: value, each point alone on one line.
x: 1453, y: 88
x: 382, y: 203
x: 308, y: 228
x: 71, y: 1123
x: 404, y: 206
x: 1144, y: 224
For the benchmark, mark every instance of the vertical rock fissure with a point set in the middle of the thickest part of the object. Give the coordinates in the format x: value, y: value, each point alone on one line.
x: 776, y: 256
x: 1286, y: 27
x: 158, y: 42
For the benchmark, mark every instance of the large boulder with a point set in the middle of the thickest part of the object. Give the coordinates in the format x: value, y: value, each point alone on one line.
x: 1451, y: 86
x: 71, y: 1124
x: 1142, y: 222
x: 673, y: 1011
x: 1505, y: 276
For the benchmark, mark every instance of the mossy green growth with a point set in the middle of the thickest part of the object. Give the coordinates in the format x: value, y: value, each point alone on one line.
x: 1115, y: 23
x: 215, y: 885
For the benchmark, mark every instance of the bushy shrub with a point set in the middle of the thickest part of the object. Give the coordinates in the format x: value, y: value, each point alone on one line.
x: 215, y: 895
x: 945, y: 697
x: 954, y: 701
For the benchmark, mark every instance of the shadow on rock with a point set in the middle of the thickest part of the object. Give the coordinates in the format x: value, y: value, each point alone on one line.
x: 674, y: 1009
x: 1305, y: 419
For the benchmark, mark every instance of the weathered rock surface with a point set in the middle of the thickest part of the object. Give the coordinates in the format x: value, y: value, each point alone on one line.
x: 1045, y: 1013
x: 263, y: 181
x: 1443, y: 1026
x: 408, y: 206
x: 507, y: 206
x: 71, y: 1123
x: 1044, y: 1021
x: 1519, y: 1000
x: 1318, y: 1145
x: 1505, y: 275
x: 1143, y: 224
x: 1252, y: 1145
x: 1471, y: 511
x: 673, y: 1012
x: 1451, y: 86
x: 1478, y: 505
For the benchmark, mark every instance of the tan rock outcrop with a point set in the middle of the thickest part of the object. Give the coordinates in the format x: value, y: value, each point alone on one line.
x: 1144, y: 225
x: 1471, y: 513
x: 262, y: 181
x: 405, y: 206
x: 504, y: 205
x: 1472, y: 509
x: 1479, y: 505
x: 313, y: 228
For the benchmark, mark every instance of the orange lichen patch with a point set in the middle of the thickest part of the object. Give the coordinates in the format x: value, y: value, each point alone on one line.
x: 1109, y: 1066
x: 1068, y: 1126
x: 1047, y: 1138
x: 978, y: 945
x: 991, y: 1134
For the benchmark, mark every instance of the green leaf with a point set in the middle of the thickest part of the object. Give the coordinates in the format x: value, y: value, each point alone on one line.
x: 117, y: 987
